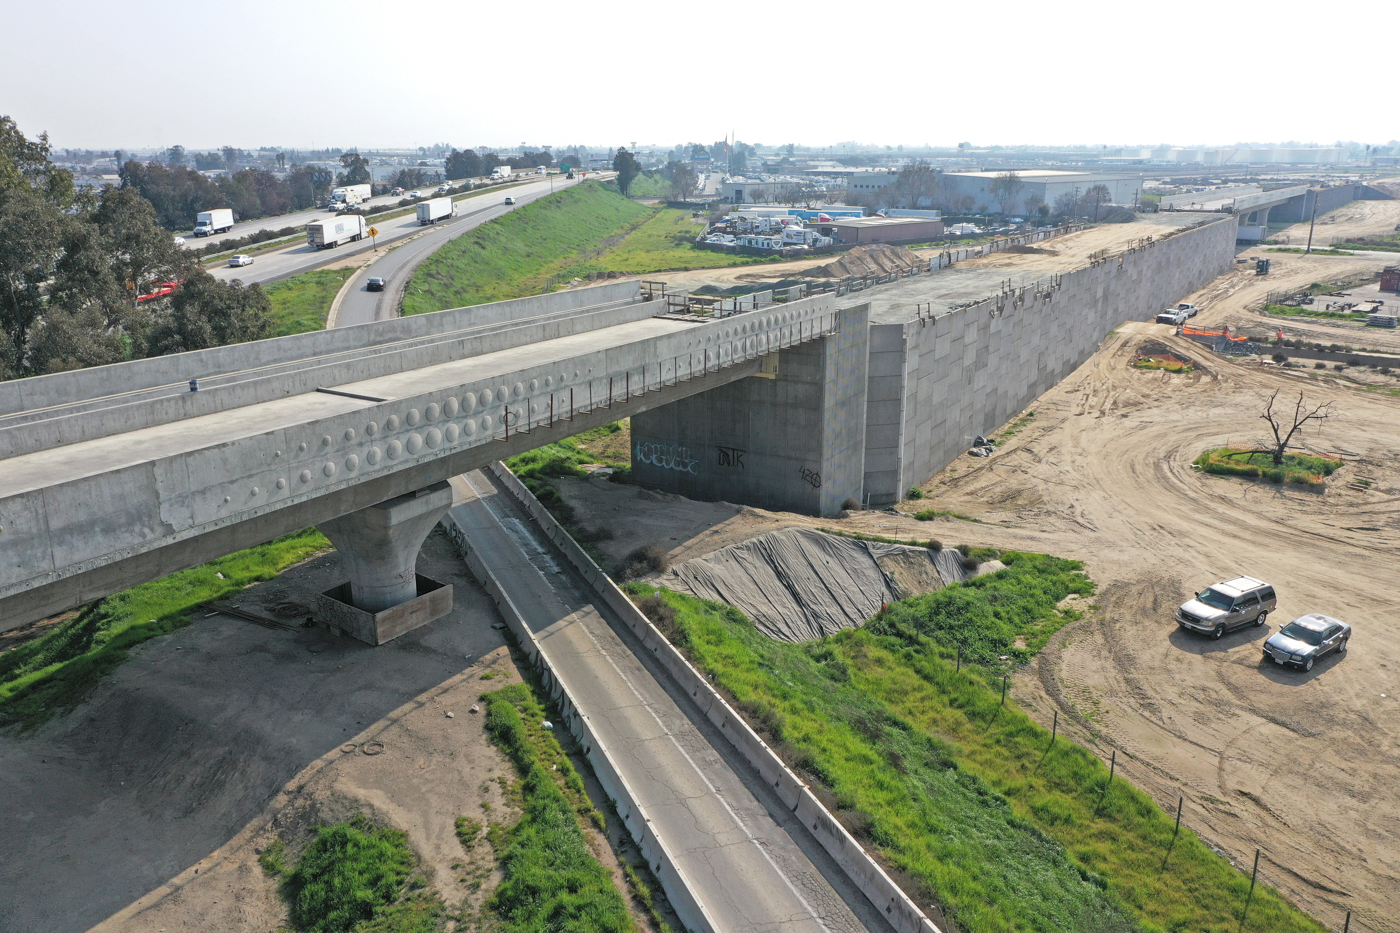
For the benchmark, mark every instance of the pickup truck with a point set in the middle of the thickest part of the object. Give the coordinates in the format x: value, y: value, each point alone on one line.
x: 1188, y: 309
x: 1173, y: 317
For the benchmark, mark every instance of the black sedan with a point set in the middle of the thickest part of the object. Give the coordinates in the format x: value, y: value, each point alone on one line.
x: 375, y: 284
x: 1306, y: 639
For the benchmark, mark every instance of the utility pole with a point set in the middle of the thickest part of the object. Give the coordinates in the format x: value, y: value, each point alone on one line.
x: 1311, y: 224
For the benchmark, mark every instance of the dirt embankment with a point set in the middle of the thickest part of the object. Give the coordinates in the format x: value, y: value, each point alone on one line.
x: 875, y: 259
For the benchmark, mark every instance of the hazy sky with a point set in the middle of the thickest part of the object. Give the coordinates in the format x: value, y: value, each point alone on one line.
x: 314, y: 73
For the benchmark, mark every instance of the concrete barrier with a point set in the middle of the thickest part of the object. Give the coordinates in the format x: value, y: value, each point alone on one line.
x: 655, y: 850
x: 862, y: 869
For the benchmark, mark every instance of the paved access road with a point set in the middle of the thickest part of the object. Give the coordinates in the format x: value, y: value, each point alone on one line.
x: 360, y: 306
x: 746, y: 868
x: 275, y: 265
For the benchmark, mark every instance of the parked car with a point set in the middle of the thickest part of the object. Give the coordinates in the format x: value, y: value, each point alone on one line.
x: 1190, y: 309
x: 1173, y: 317
x: 240, y: 260
x: 375, y: 284
x: 1227, y: 606
x: 510, y: 200
x: 1306, y: 639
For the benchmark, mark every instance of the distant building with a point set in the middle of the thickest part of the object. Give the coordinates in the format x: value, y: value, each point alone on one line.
x: 1046, y: 185
x: 1271, y: 155
x: 867, y: 183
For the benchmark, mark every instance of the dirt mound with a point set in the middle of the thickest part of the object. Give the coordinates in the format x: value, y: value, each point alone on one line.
x: 875, y: 259
x: 1038, y: 250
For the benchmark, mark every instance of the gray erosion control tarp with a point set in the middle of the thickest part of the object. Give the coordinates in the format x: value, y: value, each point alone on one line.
x: 799, y: 584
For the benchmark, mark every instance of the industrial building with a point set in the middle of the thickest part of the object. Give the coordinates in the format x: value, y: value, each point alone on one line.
x: 1046, y: 185
x: 883, y: 230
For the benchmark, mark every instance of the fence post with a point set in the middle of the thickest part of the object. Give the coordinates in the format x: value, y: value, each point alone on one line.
x: 1055, y: 729
x: 1112, y: 765
x: 1003, y: 689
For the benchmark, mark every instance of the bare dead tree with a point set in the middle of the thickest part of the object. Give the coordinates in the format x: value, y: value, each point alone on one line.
x: 1301, y: 416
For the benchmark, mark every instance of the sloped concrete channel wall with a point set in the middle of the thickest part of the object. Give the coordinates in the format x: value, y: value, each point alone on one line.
x: 902, y: 913
x: 935, y: 384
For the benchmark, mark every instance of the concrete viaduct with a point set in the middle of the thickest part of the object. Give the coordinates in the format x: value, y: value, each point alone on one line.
x: 120, y: 474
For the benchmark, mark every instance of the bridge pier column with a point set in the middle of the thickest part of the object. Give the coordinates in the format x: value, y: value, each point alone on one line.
x: 385, y: 596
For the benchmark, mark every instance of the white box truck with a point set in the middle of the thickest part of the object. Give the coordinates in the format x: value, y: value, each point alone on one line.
x: 499, y: 172
x: 350, y: 195
x: 430, y: 212
x: 215, y: 221
x: 336, y: 230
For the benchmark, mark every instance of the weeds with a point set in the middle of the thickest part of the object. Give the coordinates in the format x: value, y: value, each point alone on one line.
x: 644, y: 560
x: 1300, y: 469
x: 300, y: 304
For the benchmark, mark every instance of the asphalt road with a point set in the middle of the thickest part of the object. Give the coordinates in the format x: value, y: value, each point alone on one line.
x: 361, y: 306
x: 275, y: 265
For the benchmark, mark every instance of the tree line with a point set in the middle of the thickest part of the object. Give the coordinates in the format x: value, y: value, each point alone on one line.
x: 467, y: 164
x: 73, y: 264
x: 920, y: 185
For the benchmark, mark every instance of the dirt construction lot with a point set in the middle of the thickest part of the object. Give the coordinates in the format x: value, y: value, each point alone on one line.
x: 1301, y: 765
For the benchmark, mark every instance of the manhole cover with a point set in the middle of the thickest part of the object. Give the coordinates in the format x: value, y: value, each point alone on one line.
x: 372, y: 748
x: 348, y: 747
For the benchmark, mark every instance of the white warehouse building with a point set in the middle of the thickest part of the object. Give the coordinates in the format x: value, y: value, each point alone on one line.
x: 1047, y: 185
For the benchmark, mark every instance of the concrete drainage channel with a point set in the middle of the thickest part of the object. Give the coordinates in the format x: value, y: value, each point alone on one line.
x: 859, y: 868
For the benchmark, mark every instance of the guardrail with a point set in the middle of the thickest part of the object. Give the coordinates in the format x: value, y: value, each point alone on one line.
x: 858, y: 865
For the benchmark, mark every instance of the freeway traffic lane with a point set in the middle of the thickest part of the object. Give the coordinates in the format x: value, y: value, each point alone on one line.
x: 396, y: 266
x: 275, y: 265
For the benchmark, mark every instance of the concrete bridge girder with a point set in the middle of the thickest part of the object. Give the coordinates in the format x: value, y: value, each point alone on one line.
x: 351, y: 453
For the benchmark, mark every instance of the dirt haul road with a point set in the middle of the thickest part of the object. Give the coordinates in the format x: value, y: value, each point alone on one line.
x: 1359, y: 218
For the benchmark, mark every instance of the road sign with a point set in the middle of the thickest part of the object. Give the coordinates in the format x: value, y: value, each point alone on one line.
x: 373, y: 231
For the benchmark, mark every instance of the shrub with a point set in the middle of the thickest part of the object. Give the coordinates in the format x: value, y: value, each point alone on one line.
x: 934, y: 544
x: 1339, y: 366
x: 915, y: 492
x: 644, y: 560
x: 1354, y: 361
x: 1319, y: 366
x: 926, y: 515
x: 348, y: 874
x: 851, y: 505
x: 1280, y: 358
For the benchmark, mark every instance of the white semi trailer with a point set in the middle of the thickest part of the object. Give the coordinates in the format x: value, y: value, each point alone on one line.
x: 350, y: 195
x: 499, y: 172
x: 336, y: 230
x: 430, y: 212
x: 215, y: 221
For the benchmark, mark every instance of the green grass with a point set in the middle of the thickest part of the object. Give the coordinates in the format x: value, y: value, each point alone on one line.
x: 1314, y: 252
x: 51, y: 674
x: 965, y: 798
x: 1170, y: 366
x: 1308, y: 311
x: 551, y: 879
x: 355, y: 877
x: 645, y: 185
x: 549, y: 242
x: 928, y: 515
x: 1301, y: 469
x: 300, y: 304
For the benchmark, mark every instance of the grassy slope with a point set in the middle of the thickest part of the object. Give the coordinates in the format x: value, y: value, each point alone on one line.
x: 963, y: 795
x: 589, y: 228
x: 53, y: 673
x: 552, y: 881
x: 300, y: 303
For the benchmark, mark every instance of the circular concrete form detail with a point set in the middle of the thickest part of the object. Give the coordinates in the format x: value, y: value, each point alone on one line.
x: 281, y: 484
x: 534, y: 385
x: 301, y: 448
x: 349, y: 434
x: 470, y: 428
x: 452, y: 433
x: 255, y: 490
x: 352, y: 463
x: 449, y: 407
x: 412, y: 417
x: 502, y: 394
x: 431, y: 412
x: 548, y: 382
x: 393, y: 450
x: 519, y: 390
x: 415, y: 443
x: 306, y: 476
x: 228, y: 498
x: 328, y: 469
x: 371, y: 429
x: 372, y: 457
x: 391, y: 423
x: 433, y: 438
x: 485, y: 397
x: 486, y: 423
x: 326, y: 441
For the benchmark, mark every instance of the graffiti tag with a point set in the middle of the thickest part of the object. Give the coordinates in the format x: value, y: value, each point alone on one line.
x: 731, y: 457
x: 665, y: 456
x: 813, y: 478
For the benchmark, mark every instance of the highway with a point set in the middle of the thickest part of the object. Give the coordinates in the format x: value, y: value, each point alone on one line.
x: 275, y: 265
x: 749, y: 866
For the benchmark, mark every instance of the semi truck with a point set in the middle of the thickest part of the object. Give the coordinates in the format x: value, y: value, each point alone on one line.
x: 430, y: 212
x: 336, y: 230
x: 499, y: 172
x: 215, y: 221
x: 349, y: 195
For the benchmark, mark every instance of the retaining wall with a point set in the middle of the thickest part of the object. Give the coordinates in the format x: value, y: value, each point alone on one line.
x: 935, y: 384
x: 1299, y: 209
x: 902, y: 913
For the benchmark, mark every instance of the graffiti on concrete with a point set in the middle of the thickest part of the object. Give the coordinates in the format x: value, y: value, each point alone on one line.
x: 666, y: 456
x: 812, y: 477
x: 731, y: 457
